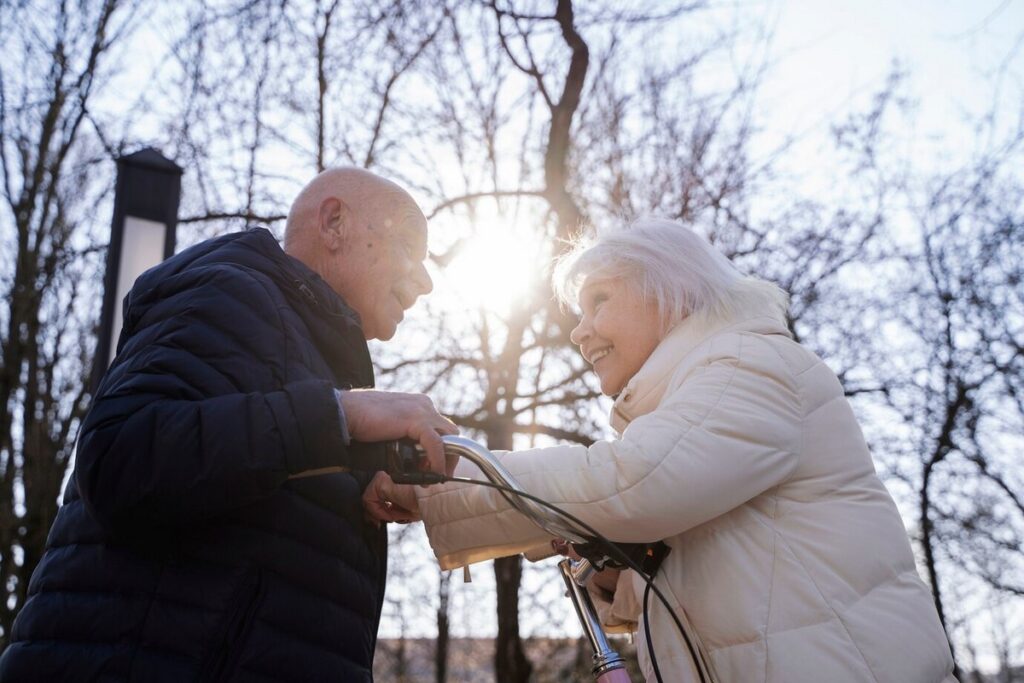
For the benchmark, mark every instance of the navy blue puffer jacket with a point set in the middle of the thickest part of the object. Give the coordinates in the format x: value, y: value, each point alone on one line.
x: 182, y: 551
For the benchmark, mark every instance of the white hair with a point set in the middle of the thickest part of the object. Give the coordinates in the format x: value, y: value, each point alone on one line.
x: 672, y: 266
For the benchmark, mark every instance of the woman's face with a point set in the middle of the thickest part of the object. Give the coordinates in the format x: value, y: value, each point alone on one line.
x: 617, y: 331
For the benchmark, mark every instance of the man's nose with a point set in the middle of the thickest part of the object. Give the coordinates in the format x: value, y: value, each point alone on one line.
x: 420, y: 278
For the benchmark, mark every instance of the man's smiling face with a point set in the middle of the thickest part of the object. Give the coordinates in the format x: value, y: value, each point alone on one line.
x: 384, y: 263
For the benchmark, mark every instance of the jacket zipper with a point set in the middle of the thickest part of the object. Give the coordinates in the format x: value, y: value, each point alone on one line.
x: 307, y: 292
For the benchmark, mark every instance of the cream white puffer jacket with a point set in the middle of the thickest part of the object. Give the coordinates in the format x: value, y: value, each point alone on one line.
x: 739, y: 450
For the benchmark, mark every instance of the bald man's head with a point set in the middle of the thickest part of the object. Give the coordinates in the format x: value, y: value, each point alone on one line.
x: 367, y: 238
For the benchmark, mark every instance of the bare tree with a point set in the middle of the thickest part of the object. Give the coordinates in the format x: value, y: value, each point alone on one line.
x: 50, y: 164
x: 962, y: 398
x: 919, y: 320
x: 314, y: 83
x: 443, y: 628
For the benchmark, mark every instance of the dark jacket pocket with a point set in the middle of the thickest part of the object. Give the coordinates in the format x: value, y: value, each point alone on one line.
x: 239, y: 619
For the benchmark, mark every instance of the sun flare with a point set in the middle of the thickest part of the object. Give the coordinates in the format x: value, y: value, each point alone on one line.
x: 495, y: 268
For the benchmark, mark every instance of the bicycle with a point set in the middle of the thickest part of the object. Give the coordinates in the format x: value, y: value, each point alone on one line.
x: 608, y: 666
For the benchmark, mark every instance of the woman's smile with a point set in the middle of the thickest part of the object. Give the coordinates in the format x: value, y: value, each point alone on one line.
x: 599, y: 354
x: 617, y: 331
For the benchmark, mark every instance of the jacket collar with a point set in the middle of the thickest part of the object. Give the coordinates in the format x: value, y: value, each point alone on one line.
x: 334, y: 326
x: 644, y: 391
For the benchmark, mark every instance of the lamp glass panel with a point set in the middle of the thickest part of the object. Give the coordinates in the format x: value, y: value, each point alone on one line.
x: 142, y: 247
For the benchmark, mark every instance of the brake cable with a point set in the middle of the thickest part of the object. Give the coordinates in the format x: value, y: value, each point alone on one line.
x: 620, y: 556
x: 403, y: 458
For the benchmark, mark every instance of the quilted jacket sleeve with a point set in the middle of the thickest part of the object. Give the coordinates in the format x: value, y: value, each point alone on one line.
x: 192, y: 420
x: 727, y: 430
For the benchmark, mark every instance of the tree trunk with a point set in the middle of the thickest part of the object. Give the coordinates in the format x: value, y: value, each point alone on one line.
x: 929, y: 559
x: 510, y: 662
x: 42, y: 385
x: 443, y: 631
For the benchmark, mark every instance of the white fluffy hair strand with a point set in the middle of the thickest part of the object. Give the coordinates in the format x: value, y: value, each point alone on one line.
x: 671, y: 265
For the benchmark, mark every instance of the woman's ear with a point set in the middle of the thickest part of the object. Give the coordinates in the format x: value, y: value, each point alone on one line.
x: 334, y: 223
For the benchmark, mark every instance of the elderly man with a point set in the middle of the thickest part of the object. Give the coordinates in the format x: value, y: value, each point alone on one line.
x: 192, y: 544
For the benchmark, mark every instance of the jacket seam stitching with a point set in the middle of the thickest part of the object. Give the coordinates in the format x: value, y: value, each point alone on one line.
x: 771, y: 581
x: 796, y: 375
x: 832, y: 609
x: 137, y: 640
x: 277, y: 305
x: 64, y: 640
x: 305, y: 639
x: 139, y: 595
x: 703, y: 651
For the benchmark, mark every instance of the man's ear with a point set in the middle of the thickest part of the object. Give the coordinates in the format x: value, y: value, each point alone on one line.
x: 334, y: 222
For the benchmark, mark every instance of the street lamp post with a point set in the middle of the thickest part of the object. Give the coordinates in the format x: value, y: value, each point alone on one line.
x: 142, y: 235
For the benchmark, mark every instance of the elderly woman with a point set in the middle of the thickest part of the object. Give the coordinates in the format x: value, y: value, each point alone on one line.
x: 737, y: 448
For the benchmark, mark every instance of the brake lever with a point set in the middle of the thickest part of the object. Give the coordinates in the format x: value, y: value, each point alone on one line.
x: 648, y: 556
x: 403, y: 459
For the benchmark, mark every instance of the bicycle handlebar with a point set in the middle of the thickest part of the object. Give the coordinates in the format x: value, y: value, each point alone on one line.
x: 495, y: 472
x: 403, y: 460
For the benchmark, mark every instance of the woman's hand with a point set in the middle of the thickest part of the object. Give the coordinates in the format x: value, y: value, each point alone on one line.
x: 386, y: 501
x: 604, y: 579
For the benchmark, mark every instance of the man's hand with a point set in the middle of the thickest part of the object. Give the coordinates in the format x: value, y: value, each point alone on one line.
x: 386, y: 501
x: 387, y: 415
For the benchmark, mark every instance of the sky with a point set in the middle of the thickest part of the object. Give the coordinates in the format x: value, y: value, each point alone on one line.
x: 845, y: 46
x: 830, y: 55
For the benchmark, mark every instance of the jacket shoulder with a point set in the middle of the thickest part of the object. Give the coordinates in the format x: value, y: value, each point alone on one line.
x: 212, y: 324
x: 774, y: 356
x: 205, y: 291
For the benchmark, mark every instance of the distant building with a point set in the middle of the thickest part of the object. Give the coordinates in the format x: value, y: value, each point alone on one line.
x: 471, y: 660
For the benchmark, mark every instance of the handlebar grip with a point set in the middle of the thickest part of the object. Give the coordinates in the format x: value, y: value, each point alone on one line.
x: 403, y: 459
